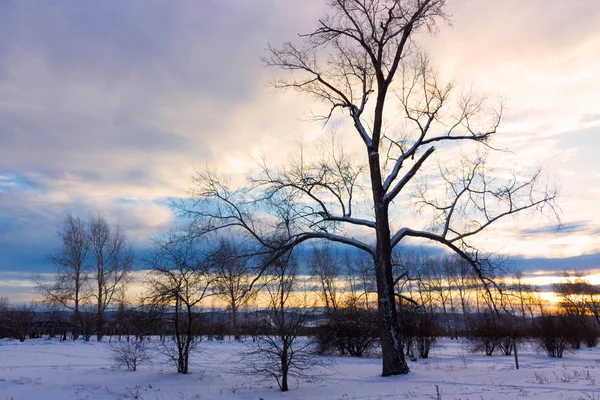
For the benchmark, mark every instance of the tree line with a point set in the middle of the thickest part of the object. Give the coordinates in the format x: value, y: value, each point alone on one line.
x: 334, y: 306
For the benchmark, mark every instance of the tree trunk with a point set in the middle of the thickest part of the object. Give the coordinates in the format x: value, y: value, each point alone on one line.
x: 99, y: 323
x: 100, y: 304
x: 234, y: 321
x: 284, y: 383
x: 392, y: 355
x: 188, y: 340
x: 284, y: 369
x: 77, y: 319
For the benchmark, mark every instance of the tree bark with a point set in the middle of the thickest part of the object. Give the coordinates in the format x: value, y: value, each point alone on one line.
x: 100, y: 315
x: 393, y: 361
x: 234, y: 321
x: 77, y: 318
x: 284, y: 368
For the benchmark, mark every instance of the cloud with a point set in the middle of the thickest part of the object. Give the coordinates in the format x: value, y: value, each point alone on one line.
x: 118, y: 81
x: 559, y: 229
x: 579, y: 263
x: 587, y: 118
x: 109, y: 107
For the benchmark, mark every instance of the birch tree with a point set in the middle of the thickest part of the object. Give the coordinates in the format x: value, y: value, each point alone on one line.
x: 362, y: 64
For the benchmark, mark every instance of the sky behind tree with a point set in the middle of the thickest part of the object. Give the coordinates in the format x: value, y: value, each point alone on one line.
x: 108, y: 107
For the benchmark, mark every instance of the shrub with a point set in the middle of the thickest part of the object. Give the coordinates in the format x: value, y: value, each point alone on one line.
x: 553, y: 334
x: 351, y: 331
x: 130, y: 353
x: 420, y: 329
x: 489, y: 332
x: 485, y: 332
x: 426, y: 332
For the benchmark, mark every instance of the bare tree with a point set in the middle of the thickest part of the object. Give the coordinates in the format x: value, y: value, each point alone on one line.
x: 179, y: 279
x: 579, y: 304
x: 463, y: 278
x: 69, y: 288
x: 362, y: 53
x: 351, y: 325
x: 280, y: 353
x: 112, y: 261
x: 324, y: 267
x: 233, y: 279
x: 16, y: 321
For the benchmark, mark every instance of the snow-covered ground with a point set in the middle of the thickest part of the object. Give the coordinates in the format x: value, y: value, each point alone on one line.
x: 42, y: 369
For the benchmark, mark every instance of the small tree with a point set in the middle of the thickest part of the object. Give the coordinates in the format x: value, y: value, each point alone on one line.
x: 423, y: 325
x: 354, y: 325
x: 179, y: 280
x: 351, y: 329
x: 279, y: 353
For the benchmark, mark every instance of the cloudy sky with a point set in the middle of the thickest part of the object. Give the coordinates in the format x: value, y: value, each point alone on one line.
x: 109, y: 106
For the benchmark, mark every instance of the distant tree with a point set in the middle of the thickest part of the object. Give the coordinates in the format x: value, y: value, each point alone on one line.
x: 111, y: 260
x: 419, y: 301
x: 462, y: 278
x: 351, y: 330
x: 16, y: 321
x: 69, y: 288
x: 579, y: 303
x: 56, y: 322
x: 233, y: 279
x: 435, y: 274
x: 146, y: 319
x: 179, y: 280
x: 527, y: 296
x: 120, y: 320
x: 325, y: 268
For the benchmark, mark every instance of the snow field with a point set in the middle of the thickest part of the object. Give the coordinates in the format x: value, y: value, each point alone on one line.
x: 47, y: 370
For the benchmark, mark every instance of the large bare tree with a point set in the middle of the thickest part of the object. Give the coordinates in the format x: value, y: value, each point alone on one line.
x: 362, y: 63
